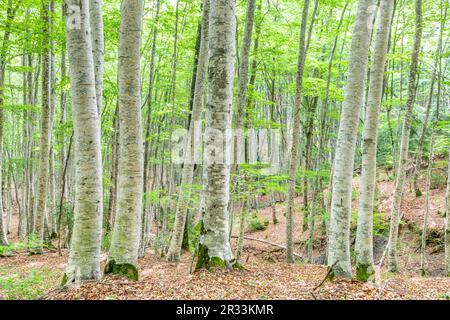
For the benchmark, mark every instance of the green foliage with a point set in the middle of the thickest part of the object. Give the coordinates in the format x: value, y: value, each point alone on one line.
x: 255, y: 224
x: 445, y: 296
x: 29, y: 244
x: 437, y: 181
x: 380, y: 224
x: 126, y: 269
x: 106, y: 241
x: 15, y: 286
x: 67, y: 215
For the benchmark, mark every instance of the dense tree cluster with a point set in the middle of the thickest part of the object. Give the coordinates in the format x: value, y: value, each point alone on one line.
x: 282, y: 99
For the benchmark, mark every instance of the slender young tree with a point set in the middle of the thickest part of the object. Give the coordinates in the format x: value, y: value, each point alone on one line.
x: 447, y: 221
x: 240, y: 110
x: 3, y: 239
x: 339, y: 229
x: 404, y: 146
x: 45, y: 134
x: 184, y: 195
x: 243, y: 75
x: 146, y: 218
x: 294, y: 152
x: 434, y: 127
x: 84, y: 256
x: 96, y: 23
x: 214, y: 247
x: 10, y: 14
x: 364, y: 233
x: 123, y: 253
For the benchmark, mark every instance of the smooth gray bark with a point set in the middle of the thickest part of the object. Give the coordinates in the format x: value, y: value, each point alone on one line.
x: 214, y: 248
x: 97, y: 38
x: 240, y: 111
x: 447, y: 220
x: 339, y: 229
x: 404, y: 146
x: 296, y: 122
x: 84, y: 256
x: 123, y: 254
x: 364, y: 232
x: 44, y: 144
x: 191, y: 147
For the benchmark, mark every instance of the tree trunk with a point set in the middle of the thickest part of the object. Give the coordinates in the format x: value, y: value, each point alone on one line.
x: 96, y: 24
x: 148, y: 130
x: 123, y: 254
x: 240, y: 113
x: 364, y: 236
x: 84, y: 256
x: 404, y: 146
x: 192, y: 144
x: 44, y: 144
x: 339, y: 229
x: 447, y: 222
x: 418, y: 154
x: 423, y: 242
x: 293, y: 161
x: 214, y: 247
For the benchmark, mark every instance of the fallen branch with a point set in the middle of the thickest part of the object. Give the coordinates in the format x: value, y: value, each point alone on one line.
x: 271, y: 243
x: 330, y: 269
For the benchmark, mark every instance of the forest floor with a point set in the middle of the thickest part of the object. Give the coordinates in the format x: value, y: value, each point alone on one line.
x: 266, y: 275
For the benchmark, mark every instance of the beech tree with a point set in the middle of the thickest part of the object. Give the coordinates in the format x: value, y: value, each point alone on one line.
x: 96, y: 23
x: 123, y: 253
x: 191, y: 146
x: 41, y: 214
x: 447, y: 222
x: 297, y: 119
x: 214, y: 246
x: 84, y: 256
x: 404, y: 146
x: 293, y: 161
x: 364, y: 233
x: 339, y: 229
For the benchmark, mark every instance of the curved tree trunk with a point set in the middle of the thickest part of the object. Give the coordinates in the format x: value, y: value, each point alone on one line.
x: 123, y: 254
x: 364, y: 234
x: 84, y: 256
x: 404, y: 146
x: 339, y: 230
